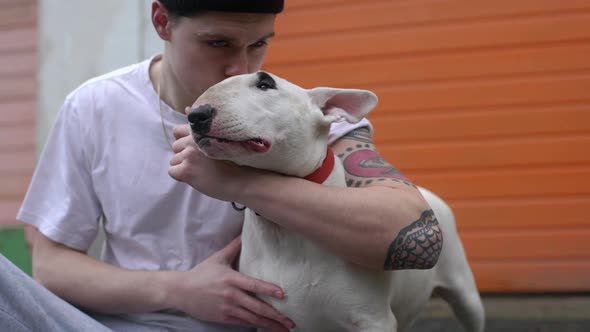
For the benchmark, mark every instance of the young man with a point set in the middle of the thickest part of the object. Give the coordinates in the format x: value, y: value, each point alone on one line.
x: 170, y: 244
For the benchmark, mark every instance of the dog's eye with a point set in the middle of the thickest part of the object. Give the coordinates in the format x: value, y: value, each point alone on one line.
x: 265, y: 82
x: 263, y: 86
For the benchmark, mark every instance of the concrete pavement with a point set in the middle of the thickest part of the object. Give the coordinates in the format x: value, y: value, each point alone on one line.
x: 516, y: 313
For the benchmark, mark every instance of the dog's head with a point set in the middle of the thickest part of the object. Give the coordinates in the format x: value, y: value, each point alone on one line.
x: 263, y: 121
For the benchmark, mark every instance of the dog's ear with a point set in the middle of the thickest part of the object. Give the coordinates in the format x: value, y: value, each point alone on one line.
x: 343, y: 104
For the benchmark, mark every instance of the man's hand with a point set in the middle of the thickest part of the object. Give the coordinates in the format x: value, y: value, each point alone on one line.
x: 213, y: 291
x: 215, y: 178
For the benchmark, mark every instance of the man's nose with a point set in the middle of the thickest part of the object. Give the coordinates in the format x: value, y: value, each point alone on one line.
x: 200, y: 119
x: 238, y: 65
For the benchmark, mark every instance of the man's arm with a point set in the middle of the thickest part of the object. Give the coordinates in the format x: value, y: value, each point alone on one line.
x: 91, y: 284
x: 417, y: 245
x: 211, y: 291
x: 374, y: 222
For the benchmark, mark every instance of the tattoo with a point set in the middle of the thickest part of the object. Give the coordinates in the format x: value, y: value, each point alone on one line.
x: 364, y: 165
x: 369, y: 164
x: 360, y: 134
x: 417, y: 246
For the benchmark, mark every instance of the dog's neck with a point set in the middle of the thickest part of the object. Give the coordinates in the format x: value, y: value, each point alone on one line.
x: 321, y: 174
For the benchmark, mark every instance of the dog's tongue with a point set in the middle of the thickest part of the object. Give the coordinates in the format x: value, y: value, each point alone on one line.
x: 257, y: 145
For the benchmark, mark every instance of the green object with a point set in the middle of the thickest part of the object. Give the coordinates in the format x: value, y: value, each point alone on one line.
x: 13, y: 246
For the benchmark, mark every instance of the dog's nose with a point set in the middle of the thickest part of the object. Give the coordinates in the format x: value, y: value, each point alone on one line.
x: 200, y: 118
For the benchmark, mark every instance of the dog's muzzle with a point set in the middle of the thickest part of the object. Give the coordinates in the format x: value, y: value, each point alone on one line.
x: 200, y: 119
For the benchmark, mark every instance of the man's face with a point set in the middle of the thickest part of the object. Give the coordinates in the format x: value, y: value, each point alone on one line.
x: 205, y: 49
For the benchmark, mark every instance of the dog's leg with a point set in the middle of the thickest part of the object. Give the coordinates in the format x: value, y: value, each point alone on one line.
x: 387, y: 324
x: 466, y: 304
x: 455, y: 282
x: 460, y: 291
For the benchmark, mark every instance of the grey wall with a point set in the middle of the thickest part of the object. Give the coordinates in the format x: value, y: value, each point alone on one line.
x: 80, y: 39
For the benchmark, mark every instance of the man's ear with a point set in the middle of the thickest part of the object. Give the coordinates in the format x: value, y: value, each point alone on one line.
x: 161, y: 20
x: 343, y: 104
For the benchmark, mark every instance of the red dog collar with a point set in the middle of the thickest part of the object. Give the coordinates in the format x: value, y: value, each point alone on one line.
x: 321, y: 174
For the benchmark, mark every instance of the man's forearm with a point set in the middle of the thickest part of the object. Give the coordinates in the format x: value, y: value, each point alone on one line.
x: 93, y: 285
x: 359, y: 224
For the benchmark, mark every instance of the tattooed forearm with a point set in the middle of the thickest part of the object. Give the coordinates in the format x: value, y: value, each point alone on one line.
x: 364, y: 165
x: 360, y: 134
x: 417, y: 246
x: 368, y: 163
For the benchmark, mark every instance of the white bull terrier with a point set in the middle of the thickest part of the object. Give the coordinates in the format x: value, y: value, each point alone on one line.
x: 263, y: 121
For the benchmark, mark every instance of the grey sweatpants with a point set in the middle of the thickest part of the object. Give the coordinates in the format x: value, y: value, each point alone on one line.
x: 25, y: 305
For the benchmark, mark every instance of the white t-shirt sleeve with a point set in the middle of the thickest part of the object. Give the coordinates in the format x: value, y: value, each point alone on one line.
x: 61, y: 201
x: 339, y: 129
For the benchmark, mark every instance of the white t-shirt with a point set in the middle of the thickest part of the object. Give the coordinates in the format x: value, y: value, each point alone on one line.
x: 107, y: 156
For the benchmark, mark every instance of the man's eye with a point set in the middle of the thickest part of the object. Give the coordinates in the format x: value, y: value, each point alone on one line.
x: 217, y: 43
x: 258, y: 44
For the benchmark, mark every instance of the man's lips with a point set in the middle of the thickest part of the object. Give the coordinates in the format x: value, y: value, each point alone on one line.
x: 256, y: 144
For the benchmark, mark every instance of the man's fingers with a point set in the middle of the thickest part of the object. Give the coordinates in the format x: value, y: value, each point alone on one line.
x: 258, y: 286
x: 262, y: 309
x: 182, y: 142
x: 176, y: 172
x: 179, y: 168
x: 181, y: 131
x: 229, y: 253
x: 176, y: 159
x: 177, y: 146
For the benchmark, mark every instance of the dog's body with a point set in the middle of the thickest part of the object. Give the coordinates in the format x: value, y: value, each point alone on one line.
x: 265, y: 122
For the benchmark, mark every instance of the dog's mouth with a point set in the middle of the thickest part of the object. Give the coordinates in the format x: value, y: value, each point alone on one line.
x: 255, y: 144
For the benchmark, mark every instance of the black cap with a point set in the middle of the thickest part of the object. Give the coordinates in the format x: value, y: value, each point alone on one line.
x: 191, y: 7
